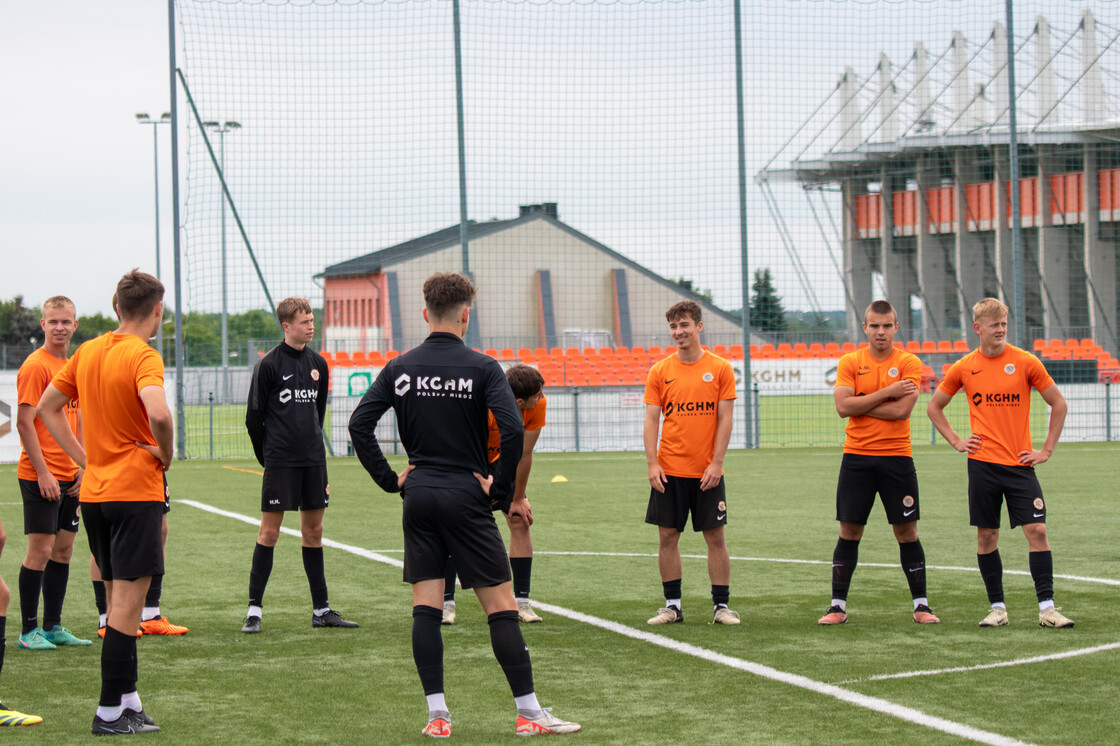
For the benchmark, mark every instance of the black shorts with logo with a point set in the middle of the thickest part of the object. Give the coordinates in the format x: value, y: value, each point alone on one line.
x: 43, y: 516
x: 452, y: 521
x: 989, y: 483
x: 125, y: 538
x: 294, y: 488
x: 682, y: 495
x: 892, y: 477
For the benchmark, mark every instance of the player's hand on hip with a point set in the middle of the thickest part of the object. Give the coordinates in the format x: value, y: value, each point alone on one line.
x: 164, y: 460
x: 1033, y: 458
x: 404, y: 475
x: 484, y: 482
x: 971, y: 444
x: 48, y: 488
x: 657, y: 478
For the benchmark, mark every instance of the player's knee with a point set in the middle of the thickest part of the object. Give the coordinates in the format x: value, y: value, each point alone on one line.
x: 312, y: 535
x: 268, y: 536
x: 62, y: 553
x: 5, y: 596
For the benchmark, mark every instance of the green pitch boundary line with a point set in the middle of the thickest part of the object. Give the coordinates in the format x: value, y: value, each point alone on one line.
x: 876, y: 704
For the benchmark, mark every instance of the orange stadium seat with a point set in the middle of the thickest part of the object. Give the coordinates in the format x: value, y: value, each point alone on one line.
x: 360, y: 359
x: 326, y: 356
x: 342, y: 359
x: 736, y: 352
x: 848, y: 347
x: 817, y: 350
x: 506, y: 354
x: 929, y: 346
x: 376, y: 359
x: 960, y: 346
x: 525, y: 355
x: 638, y: 351
x: 1087, y: 342
x: 391, y: 354
x: 832, y: 349
x: 945, y: 346
x: 720, y: 350
x: 914, y: 347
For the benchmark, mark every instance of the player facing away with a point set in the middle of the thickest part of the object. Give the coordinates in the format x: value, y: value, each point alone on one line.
x: 441, y: 392
x: 695, y: 392
x: 118, y: 378
x: 284, y: 417
x: 8, y: 716
x: 527, y: 385
x: 876, y: 387
x: 49, y: 482
x: 997, y: 378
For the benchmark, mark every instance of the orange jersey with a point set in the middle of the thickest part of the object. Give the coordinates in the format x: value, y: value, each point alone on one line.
x: 861, y: 372
x: 688, y: 394
x: 999, y: 400
x: 533, y: 419
x: 106, y: 374
x: 32, y: 380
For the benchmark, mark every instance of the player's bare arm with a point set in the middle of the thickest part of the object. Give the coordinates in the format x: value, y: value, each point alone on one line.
x: 936, y: 413
x: 51, y: 404
x: 1058, y: 410
x: 25, y: 426
x: 76, y: 488
x: 159, y: 419
x: 724, y: 420
x: 657, y: 478
x: 850, y: 405
x: 519, y: 506
x: 896, y: 409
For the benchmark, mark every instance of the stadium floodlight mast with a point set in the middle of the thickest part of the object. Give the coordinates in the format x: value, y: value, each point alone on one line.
x: 165, y: 118
x: 222, y: 128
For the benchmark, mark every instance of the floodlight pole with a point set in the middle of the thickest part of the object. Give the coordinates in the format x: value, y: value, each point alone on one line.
x: 180, y: 414
x: 464, y: 225
x: 744, y: 268
x: 222, y: 128
x: 164, y: 119
x: 1019, y: 333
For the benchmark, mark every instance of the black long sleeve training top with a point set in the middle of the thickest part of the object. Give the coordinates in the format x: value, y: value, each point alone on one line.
x: 441, y: 392
x: 287, y: 406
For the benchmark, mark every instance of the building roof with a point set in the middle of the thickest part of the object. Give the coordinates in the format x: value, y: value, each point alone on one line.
x: 379, y: 261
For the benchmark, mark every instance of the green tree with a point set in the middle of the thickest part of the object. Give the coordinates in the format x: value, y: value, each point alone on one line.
x: 90, y: 327
x: 18, y: 323
x: 767, y: 314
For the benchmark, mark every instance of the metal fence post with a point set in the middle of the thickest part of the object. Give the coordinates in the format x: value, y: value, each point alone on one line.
x: 756, y: 416
x: 1108, y: 411
x: 211, y: 425
x: 575, y: 415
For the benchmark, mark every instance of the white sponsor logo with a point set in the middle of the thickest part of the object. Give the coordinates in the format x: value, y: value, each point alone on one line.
x: 273, y: 502
x: 708, y: 378
x: 402, y: 384
x: 720, y: 518
x: 893, y: 372
x: 438, y: 383
x: 1009, y: 368
x: 300, y: 395
x: 1039, y: 515
x: 907, y: 512
x: 73, y: 523
x: 285, y: 378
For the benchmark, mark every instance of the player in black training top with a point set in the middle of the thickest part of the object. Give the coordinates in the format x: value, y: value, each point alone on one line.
x: 287, y: 404
x: 440, y: 392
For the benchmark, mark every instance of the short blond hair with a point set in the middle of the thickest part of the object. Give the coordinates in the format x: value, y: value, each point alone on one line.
x: 288, y: 308
x: 988, y: 308
x: 58, y: 301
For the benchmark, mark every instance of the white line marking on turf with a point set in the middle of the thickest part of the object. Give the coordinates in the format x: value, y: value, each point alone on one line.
x: 876, y: 704
x: 1001, y: 664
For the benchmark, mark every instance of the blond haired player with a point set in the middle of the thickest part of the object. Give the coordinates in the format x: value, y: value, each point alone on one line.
x: 49, y: 482
x: 694, y: 391
x: 997, y: 379
x: 876, y: 387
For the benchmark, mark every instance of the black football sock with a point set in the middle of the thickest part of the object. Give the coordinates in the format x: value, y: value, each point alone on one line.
x: 721, y: 594
x: 316, y: 576
x: 991, y: 570
x: 55, y: 578
x: 845, y: 557
x: 1042, y: 571
x: 259, y: 572
x: 117, y: 655
x: 511, y: 651
x: 913, y: 559
x: 155, y: 591
x: 672, y: 590
x: 522, y: 568
x: 427, y: 647
x: 449, y: 581
x: 30, y: 585
x: 99, y: 597
x: 3, y: 640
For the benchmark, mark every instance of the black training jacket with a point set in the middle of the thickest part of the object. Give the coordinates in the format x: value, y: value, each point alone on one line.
x: 441, y: 392
x: 287, y: 405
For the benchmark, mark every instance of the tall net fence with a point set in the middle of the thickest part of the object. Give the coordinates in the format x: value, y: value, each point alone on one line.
x: 602, y: 184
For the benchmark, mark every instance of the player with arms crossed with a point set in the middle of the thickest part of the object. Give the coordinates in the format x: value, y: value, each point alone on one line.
x: 695, y: 390
x: 441, y: 392
x: 118, y: 378
x: 876, y: 388
x: 997, y: 379
x: 527, y: 384
x: 49, y: 482
x: 287, y: 406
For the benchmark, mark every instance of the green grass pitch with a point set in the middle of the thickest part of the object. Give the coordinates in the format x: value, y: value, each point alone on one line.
x: 595, y: 556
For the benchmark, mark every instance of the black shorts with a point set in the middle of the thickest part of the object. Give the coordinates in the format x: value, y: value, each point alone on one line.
x: 989, y: 483
x: 294, y: 488
x: 452, y: 521
x: 43, y: 516
x: 124, y: 538
x: 670, y: 509
x: 892, y: 477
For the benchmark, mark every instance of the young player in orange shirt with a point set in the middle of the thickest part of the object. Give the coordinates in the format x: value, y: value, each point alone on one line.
x: 998, y: 378
x: 876, y: 388
x: 49, y: 482
x: 118, y: 378
x: 527, y: 384
x: 695, y: 392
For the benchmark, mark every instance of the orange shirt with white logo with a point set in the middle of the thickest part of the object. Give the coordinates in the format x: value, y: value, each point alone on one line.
x: 861, y: 372
x: 689, y: 394
x: 32, y: 380
x: 533, y: 419
x: 999, y: 400
x: 106, y: 375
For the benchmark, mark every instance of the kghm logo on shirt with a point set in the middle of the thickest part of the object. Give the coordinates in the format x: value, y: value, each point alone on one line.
x: 996, y: 400
x: 690, y: 407
x: 299, y: 395
x: 402, y: 384
x: 457, y: 388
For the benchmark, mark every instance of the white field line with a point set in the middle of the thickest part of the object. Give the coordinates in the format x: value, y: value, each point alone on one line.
x: 876, y: 704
